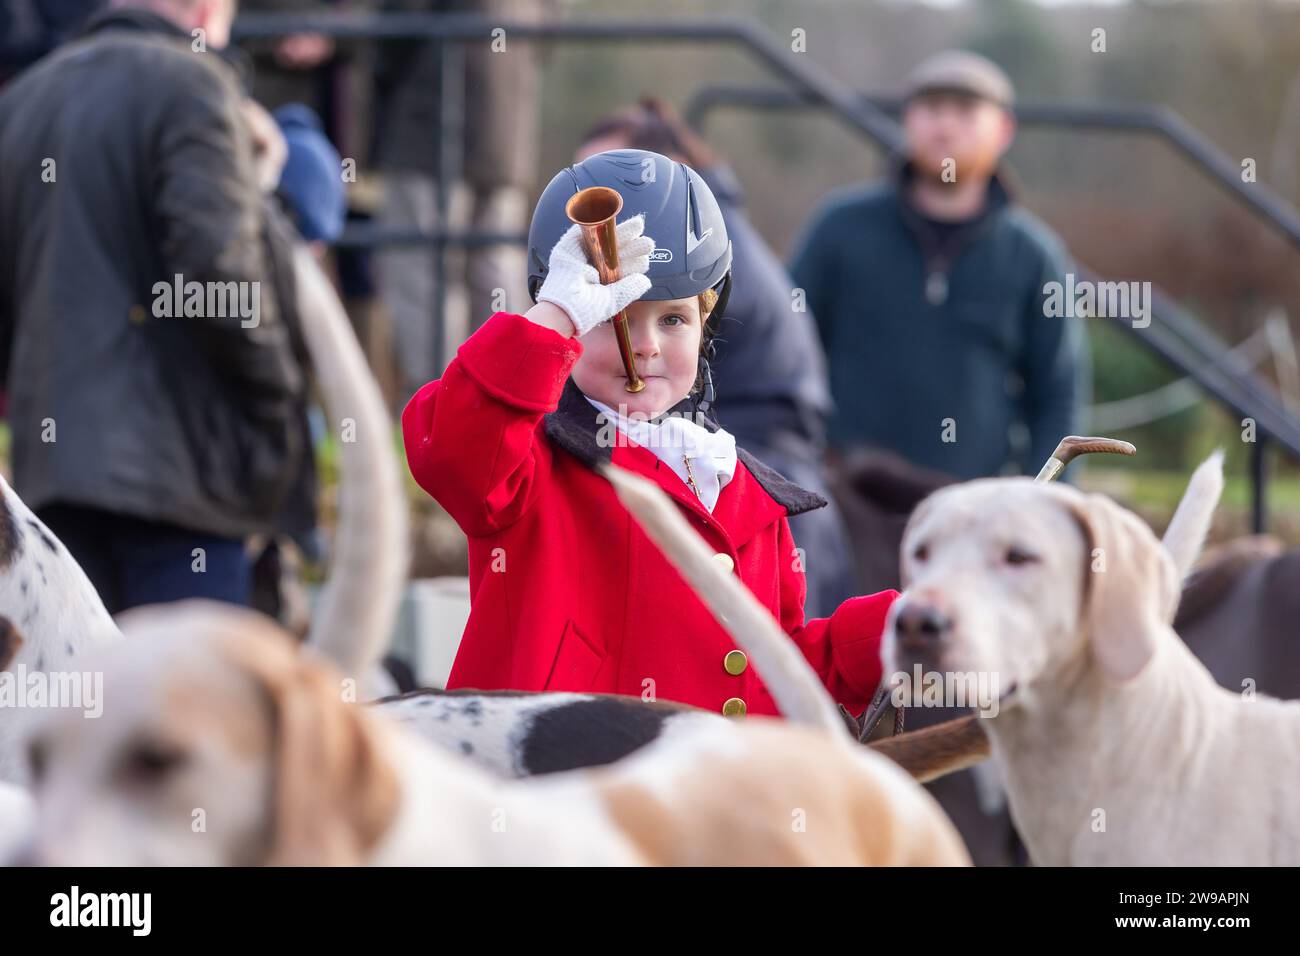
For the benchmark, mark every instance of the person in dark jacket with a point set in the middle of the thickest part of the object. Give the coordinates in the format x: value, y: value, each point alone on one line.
x: 768, y: 367
x: 29, y: 29
x: 928, y: 291
x: 495, y: 95
x: 293, y: 68
x: 152, y: 434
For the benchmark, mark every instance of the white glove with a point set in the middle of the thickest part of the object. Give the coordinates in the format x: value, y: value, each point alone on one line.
x: 573, y: 284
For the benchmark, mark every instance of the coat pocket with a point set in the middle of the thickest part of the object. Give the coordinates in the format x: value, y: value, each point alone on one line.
x: 576, y: 662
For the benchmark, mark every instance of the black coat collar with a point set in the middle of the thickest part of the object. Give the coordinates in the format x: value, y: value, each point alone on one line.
x: 575, y: 425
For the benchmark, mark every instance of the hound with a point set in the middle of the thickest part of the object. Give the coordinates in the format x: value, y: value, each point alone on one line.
x: 216, y: 717
x: 1119, y: 747
x: 213, y: 707
x: 51, y: 603
x: 1239, y: 612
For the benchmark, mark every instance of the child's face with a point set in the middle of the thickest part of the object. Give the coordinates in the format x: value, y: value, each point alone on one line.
x: 666, y: 342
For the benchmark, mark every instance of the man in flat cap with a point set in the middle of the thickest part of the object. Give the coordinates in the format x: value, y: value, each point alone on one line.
x: 928, y: 292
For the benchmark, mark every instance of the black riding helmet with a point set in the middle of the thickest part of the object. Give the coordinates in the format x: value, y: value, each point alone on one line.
x: 692, y: 252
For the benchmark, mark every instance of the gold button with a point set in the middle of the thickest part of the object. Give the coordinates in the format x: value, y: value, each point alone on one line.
x: 136, y: 314
x: 734, y: 707
x: 735, y: 662
x: 725, y: 562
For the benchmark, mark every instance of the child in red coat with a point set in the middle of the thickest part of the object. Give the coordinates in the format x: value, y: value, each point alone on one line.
x: 568, y: 593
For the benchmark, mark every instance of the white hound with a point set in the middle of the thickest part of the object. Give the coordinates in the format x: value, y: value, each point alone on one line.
x: 1119, y: 747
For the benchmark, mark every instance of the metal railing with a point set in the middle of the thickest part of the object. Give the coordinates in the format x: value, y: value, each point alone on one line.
x: 452, y: 31
x: 1148, y: 120
x: 1173, y: 335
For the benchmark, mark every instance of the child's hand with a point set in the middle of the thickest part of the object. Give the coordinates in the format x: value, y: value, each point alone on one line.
x: 573, y: 284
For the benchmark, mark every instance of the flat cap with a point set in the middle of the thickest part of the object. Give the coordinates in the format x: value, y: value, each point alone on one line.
x: 959, y: 71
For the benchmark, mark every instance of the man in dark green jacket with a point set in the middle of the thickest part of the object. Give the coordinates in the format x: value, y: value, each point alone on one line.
x: 928, y: 292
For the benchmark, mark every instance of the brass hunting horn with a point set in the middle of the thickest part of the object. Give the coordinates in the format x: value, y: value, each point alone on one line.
x: 595, y: 210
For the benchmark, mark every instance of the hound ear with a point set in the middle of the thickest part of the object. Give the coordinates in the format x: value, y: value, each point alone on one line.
x: 1130, y: 587
x: 335, y: 790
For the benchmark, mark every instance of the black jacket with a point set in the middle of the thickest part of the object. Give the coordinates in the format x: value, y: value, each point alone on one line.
x: 770, y: 371
x: 124, y: 162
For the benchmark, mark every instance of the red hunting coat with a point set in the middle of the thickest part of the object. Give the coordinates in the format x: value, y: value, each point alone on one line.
x: 568, y: 593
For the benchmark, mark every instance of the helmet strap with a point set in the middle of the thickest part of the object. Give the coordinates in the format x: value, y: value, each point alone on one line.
x: 704, y: 402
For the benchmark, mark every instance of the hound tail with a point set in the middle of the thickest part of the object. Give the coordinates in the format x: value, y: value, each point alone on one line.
x: 358, y: 606
x: 1190, y: 524
x: 794, y: 685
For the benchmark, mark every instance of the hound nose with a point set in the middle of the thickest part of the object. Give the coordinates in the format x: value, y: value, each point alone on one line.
x: 921, y: 626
